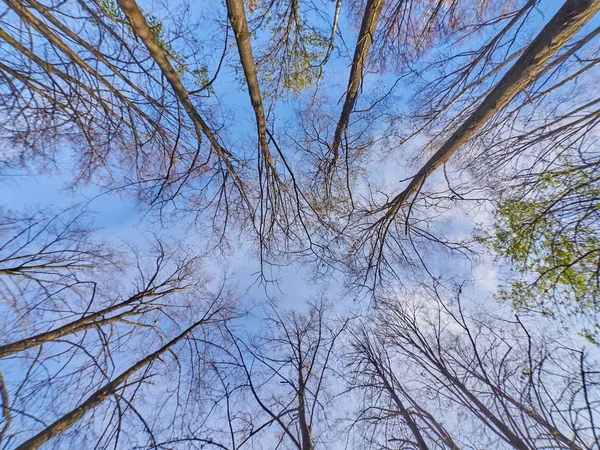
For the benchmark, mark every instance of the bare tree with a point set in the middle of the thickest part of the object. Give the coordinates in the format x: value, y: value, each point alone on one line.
x: 563, y: 26
x: 275, y: 386
x: 80, y: 77
x: 136, y: 348
x: 427, y: 360
x: 379, y: 222
x: 70, y: 324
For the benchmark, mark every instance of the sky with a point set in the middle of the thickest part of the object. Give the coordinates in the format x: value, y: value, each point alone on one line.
x: 121, y: 218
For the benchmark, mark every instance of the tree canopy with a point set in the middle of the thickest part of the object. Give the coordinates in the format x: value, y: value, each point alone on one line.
x: 300, y: 224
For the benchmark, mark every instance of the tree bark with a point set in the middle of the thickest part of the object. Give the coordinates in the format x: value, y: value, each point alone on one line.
x: 237, y: 18
x: 141, y: 29
x: 93, y: 401
x: 81, y: 324
x: 363, y: 45
x: 304, y: 425
x: 569, y: 19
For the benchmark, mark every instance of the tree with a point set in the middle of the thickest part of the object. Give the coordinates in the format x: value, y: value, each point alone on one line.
x: 138, y: 347
x: 275, y: 387
x: 68, y: 420
x: 292, y: 60
x: 426, y: 360
x: 71, y: 325
x: 556, y: 34
x: 62, y: 85
x: 549, y: 233
x: 365, y: 39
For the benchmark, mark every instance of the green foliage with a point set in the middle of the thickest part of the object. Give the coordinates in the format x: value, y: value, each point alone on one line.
x: 552, y: 238
x: 300, y: 68
x: 290, y: 62
x: 201, y: 78
x: 112, y: 10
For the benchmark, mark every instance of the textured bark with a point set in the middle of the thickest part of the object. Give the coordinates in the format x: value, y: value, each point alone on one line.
x: 363, y: 45
x: 305, y: 432
x: 85, y: 323
x: 6, y: 414
x: 569, y: 19
x: 93, y: 401
x: 141, y: 29
x: 237, y: 18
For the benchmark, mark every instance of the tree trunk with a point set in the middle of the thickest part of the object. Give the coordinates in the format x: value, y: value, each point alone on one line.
x: 403, y: 411
x: 304, y: 425
x: 363, y: 45
x: 237, y: 18
x: 569, y: 19
x: 141, y: 29
x: 81, y: 324
x: 93, y: 401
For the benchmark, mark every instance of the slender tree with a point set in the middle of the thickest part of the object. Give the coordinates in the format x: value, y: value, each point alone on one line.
x: 277, y: 387
x: 427, y: 356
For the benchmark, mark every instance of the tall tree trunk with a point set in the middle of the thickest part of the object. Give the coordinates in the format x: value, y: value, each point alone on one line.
x: 414, y: 428
x: 6, y: 413
x: 305, y: 432
x: 141, y: 29
x: 361, y: 52
x: 552, y: 430
x: 569, y: 19
x: 93, y: 401
x: 237, y: 18
x: 84, y: 323
x: 501, y: 427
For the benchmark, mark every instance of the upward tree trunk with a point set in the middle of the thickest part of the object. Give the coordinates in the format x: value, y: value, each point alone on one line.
x: 237, y: 18
x: 403, y: 411
x: 84, y: 323
x: 552, y: 430
x: 363, y: 45
x: 141, y: 29
x: 304, y: 425
x: 93, y: 401
x: 502, y: 428
x: 569, y: 19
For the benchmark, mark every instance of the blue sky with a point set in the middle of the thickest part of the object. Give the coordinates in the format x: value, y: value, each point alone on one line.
x: 123, y: 219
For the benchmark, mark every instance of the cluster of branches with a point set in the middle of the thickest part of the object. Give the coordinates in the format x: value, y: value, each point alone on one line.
x: 114, y: 83
x: 428, y: 370
x: 167, y: 364
x: 438, y: 373
x: 128, y: 99
x: 464, y: 107
x: 79, y: 343
x: 109, y: 81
